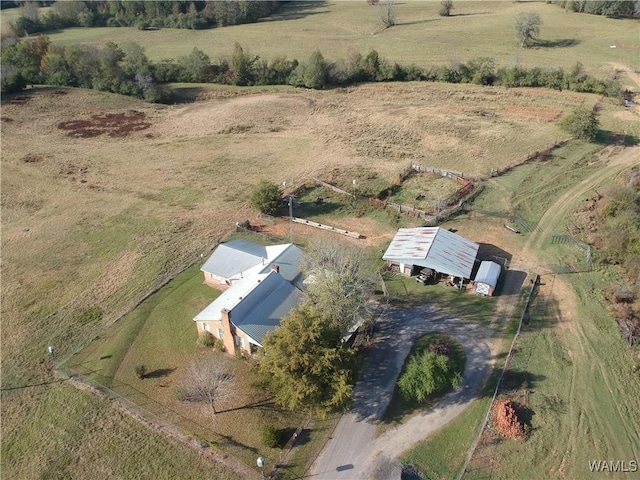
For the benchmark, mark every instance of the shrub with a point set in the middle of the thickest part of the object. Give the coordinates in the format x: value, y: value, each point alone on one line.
x: 445, y: 8
x: 581, y: 123
x: 218, y: 345
x: 266, y: 197
x: 271, y: 437
x: 426, y: 374
x: 206, y: 339
x: 140, y: 371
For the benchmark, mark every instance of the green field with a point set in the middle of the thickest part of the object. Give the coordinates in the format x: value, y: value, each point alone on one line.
x: 346, y: 26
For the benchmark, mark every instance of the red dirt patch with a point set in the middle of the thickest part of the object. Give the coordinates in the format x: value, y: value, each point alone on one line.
x: 116, y: 125
x: 506, y: 419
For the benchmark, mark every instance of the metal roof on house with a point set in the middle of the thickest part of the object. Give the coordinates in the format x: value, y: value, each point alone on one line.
x: 266, y: 316
x: 239, y: 258
x: 488, y: 273
x: 433, y: 247
x: 256, y: 303
x: 230, y: 259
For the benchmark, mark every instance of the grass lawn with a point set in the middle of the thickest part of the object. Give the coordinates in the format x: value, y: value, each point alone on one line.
x: 401, y: 409
x: 461, y: 304
x: 161, y: 335
x: 475, y: 29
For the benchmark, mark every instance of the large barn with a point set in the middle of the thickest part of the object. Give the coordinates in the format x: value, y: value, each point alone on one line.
x: 445, y: 252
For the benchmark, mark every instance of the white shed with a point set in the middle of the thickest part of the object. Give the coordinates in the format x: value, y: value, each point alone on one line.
x: 486, y: 278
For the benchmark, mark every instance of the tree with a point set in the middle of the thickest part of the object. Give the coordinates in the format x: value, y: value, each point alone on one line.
x: 581, y: 123
x: 266, y: 197
x: 445, y: 8
x: 527, y: 25
x: 208, y: 382
x: 426, y: 374
x: 242, y: 66
x: 342, y: 282
x: 306, y: 364
x: 388, y: 12
x: 311, y: 73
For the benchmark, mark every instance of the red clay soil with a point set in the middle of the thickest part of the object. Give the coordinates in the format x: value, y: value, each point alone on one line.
x: 116, y: 125
x: 506, y: 420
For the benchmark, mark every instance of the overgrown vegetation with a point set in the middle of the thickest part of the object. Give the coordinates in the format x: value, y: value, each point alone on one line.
x: 614, y: 227
x: 607, y: 8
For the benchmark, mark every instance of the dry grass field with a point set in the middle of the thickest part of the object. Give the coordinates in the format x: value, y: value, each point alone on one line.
x: 93, y: 219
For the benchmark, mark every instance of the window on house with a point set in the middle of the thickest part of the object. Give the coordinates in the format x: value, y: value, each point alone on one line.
x: 240, y: 342
x: 219, y: 333
x: 206, y: 327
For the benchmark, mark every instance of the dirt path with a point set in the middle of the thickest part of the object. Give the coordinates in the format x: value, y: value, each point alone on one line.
x: 616, y: 163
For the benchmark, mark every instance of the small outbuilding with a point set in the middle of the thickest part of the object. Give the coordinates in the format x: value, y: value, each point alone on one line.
x: 487, y: 278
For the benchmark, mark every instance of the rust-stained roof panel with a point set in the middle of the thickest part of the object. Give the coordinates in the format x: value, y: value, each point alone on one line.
x: 435, y: 248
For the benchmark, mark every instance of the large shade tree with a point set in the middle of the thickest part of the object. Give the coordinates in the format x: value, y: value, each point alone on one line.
x: 306, y: 364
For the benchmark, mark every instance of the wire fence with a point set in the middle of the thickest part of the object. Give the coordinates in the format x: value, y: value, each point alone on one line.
x: 485, y: 423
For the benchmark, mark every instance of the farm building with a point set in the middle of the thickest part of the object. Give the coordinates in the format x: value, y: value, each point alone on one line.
x: 445, y: 252
x: 264, y: 286
x: 486, y: 278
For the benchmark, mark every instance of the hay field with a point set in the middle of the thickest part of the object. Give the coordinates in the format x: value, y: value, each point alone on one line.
x: 93, y: 223
x: 421, y: 36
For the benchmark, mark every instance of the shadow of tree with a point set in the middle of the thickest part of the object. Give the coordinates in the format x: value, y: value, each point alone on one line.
x: 159, y: 373
x: 562, y: 43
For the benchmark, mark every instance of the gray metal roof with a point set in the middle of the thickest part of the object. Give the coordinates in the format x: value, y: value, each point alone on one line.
x: 230, y: 259
x: 488, y: 273
x: 433, y: 247
x: 288, y: 261
x: 266, y: 316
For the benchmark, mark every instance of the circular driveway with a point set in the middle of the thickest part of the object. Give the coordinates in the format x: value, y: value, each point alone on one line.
x: 353, y: 451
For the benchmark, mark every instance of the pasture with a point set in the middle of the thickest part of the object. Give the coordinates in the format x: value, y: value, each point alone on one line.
x: 95, y: 218
x: 421, y: 36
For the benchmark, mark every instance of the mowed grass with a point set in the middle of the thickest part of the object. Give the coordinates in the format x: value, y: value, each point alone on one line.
x: 476, y: 29
x: 161, y: 335
x: 582, y: 388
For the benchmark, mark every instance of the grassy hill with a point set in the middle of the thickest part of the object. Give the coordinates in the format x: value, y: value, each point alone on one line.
x: 421, y: 36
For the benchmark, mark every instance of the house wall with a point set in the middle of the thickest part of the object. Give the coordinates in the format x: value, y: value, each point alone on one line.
x: 213, y: 280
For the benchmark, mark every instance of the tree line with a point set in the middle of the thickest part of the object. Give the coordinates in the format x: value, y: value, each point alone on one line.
x: 607, y: 8
x: 141, y: 14
x: 127, y: 70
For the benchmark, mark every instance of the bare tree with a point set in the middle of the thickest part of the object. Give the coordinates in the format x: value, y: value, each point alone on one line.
x: 209, y: 382
x: 445, y: 8
x: 341, y: 280
x: 388, y: 12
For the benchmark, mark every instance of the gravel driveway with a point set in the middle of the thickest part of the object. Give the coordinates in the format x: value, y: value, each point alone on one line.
x: 353, y: 452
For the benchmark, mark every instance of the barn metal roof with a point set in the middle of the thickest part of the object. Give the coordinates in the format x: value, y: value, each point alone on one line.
x: 433, y: 247
x: 488, y: 273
